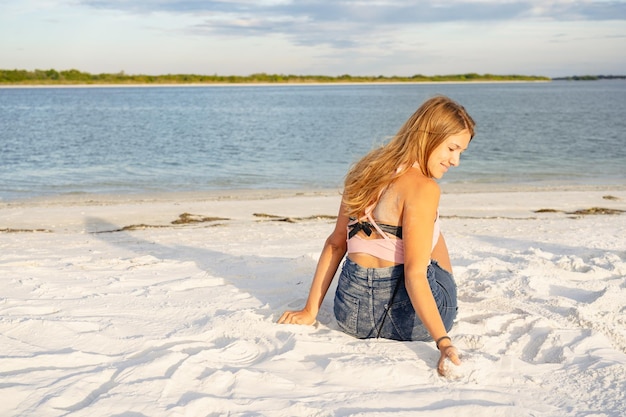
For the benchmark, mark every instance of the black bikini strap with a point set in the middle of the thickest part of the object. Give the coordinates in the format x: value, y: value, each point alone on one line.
x: 366, y: 227
x: 357, y: 227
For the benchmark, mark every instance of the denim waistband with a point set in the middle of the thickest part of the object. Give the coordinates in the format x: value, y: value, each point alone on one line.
x: 381, y: 277
x: 373, y: 277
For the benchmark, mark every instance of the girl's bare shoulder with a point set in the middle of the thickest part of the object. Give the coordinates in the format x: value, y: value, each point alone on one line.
x: 414, y: 184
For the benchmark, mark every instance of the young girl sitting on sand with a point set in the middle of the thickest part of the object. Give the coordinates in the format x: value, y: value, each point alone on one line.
x: 396, y: 281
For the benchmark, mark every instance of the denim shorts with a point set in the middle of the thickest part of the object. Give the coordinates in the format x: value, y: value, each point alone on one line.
x: 363, y: 296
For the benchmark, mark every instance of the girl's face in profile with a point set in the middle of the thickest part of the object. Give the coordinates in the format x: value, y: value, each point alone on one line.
x: 448, y: 153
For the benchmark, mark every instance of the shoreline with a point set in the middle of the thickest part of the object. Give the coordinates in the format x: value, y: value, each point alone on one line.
x: 238, y: 194
x: 342, y: 83
x: 101, y: 213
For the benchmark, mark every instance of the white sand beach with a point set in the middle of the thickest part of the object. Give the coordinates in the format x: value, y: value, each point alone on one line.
x: 109, y: 306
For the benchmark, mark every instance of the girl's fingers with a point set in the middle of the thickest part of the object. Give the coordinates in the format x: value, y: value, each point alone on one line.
x: 449, y: 352
x: 295, y: 317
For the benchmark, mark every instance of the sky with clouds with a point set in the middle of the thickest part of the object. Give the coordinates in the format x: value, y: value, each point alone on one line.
x: 326, y: 37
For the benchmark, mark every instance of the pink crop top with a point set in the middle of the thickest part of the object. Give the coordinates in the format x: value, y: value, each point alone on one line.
x: 386, y: 248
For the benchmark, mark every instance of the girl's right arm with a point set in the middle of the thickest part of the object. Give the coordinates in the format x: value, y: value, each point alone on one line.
x: 419, y: 213
x: 333, y: 252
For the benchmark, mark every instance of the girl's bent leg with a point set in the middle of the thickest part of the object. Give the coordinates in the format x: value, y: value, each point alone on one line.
x: 444, y: 290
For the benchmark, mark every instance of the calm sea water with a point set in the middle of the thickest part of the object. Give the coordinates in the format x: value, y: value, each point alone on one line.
x: 133, y: 140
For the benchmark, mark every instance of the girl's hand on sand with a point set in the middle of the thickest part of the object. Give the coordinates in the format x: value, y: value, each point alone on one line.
x: 447, y: 352
x: 297, y: 317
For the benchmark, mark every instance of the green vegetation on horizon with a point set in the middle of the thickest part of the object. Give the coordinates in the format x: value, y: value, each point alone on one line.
x: 53, y: 77
x: 591, y: 77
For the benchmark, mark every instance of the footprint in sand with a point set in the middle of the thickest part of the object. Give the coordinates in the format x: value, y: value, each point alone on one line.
x: 229, y: 352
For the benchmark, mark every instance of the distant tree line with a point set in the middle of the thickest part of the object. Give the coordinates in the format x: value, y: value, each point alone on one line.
x: 592, y: 77
x: 74, y: 76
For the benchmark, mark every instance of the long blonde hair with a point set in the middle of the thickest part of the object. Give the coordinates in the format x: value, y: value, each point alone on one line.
x: 435, y: 120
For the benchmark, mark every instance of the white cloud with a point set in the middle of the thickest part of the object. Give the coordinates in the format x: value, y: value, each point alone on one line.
x: 322, y: 37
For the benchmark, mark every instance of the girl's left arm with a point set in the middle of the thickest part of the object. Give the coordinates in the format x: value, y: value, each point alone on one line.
x: 333, y: 252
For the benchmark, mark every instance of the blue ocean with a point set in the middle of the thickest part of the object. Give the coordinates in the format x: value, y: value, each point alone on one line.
x: 120, y: 140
